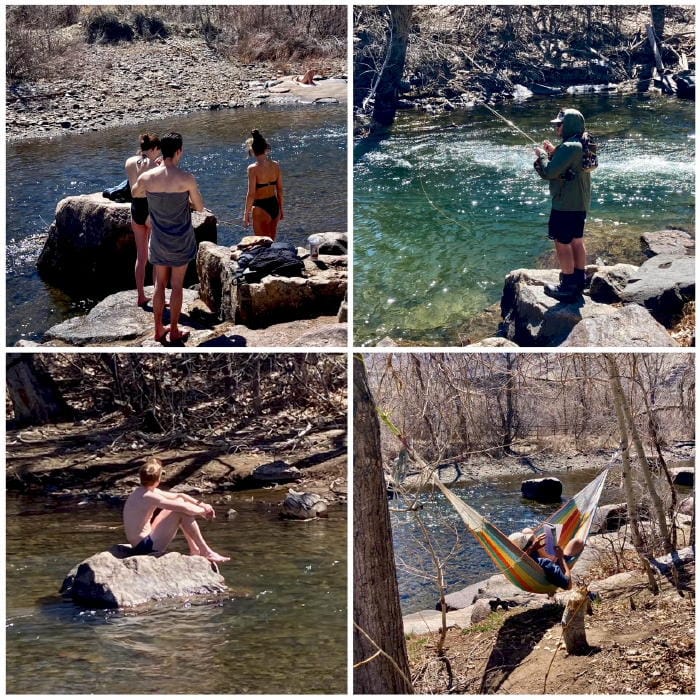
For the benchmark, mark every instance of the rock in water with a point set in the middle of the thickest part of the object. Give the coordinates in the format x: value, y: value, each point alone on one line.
x: 546, y: 490
x: 304, y: 506
x: 113, y: 580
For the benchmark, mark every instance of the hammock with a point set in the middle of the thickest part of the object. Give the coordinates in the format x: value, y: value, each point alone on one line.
x: 575, y: 517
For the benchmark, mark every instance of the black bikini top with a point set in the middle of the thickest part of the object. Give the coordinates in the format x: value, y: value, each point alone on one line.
x: 258, y: 185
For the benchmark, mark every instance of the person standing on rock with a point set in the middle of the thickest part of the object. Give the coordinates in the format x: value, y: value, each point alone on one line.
x: 264, y: 199
x: 147, y: 534
x: 570, y: 188
x: 148, y: 158
x: 170, y: 192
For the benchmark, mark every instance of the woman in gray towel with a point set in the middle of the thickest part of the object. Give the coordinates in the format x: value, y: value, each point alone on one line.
x: 170, y: 192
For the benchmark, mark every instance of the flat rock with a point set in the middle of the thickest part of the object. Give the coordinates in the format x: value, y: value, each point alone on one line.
x: 667, y: 242
x: 494, y: 342
x: 114, y: 319
x: 113, y: 579
x: 627, y: 326
x: 664, y: 284
x: 331, y: 335
x: 277, y: 471
x: 423, y: 622
x: 532, y: 319
x: 463, y: 598
x: 460, y: 618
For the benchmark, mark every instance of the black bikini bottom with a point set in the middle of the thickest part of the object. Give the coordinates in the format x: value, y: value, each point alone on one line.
x: 269, y: 205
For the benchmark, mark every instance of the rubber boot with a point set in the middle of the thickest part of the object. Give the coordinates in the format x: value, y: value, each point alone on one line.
x: 567, y: 290
x: 580, y: 279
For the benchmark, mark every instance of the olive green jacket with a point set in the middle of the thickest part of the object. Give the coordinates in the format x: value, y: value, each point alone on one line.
x: 569, y: 185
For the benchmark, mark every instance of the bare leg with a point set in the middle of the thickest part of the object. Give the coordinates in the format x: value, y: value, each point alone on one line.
x: 191, y: 528
x: 264, y: 224
x: 162, y: 275
x: 565, y: 256
x: 573, y: 548
x: 141, y: 235
x: 578, y: 250
x: 177, y: 281
x: 165, y: 526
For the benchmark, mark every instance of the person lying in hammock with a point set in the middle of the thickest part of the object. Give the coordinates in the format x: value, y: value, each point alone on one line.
x: 556, y: 567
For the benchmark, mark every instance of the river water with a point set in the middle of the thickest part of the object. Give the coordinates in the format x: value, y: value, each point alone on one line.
x: 309, y: 142
x: 445, y: 207
x: 500, y: 502
x: 284, y: 631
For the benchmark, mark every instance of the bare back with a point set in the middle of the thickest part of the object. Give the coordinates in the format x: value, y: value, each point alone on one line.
x: 168, y: 178
x: 138, y: 511
x: 265, y: 177
x: 136, y: 165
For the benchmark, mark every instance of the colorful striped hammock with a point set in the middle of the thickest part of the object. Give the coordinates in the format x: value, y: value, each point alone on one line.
x: 575, y: 517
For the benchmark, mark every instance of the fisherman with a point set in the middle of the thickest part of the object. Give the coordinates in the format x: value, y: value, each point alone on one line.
x: 570, y: 188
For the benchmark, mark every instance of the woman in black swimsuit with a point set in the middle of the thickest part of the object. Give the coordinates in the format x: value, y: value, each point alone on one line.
x: 264, y: 199
x: 148, y: 157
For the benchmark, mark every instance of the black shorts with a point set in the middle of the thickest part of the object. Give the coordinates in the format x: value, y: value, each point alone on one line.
x: 145, y: 546
x: 564, y: 226
x: 139, y: 210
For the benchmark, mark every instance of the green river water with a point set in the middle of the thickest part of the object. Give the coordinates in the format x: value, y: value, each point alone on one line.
x: 283, y: 630
x: 445, y: 207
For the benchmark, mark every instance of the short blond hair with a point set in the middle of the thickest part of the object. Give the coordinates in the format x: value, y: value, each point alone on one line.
x: 151, y: 472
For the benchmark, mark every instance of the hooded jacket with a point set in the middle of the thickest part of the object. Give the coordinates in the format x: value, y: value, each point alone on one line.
x: 569, y: 185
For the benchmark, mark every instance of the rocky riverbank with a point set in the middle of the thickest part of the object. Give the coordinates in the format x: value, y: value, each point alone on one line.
x: 141, y: 81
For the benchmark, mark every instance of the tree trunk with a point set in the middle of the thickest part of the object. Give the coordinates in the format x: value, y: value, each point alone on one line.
x: 658, y: 20
x: 35, y: 397
x: 574, y: 622
x: 632, y: 511
x: 379, y: 648
x: 387, y: 90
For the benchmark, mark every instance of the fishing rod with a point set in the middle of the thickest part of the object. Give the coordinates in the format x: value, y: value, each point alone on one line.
x: 510, y: 123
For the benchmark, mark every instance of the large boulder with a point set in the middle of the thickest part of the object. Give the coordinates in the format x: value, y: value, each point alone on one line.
x: 90, y: 246
x: 628, y: 326
x: 274, y: 299
x: 116, y: 579
x: 683, y: 476
x: 664, y: 284
x: 668, y: 242
x: 545, y: 490
x: 532, y: 319
x: 609, y: 518
x: 608, y: 281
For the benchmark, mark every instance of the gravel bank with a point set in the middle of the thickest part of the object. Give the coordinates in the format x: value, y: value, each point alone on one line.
x: 132, y: 83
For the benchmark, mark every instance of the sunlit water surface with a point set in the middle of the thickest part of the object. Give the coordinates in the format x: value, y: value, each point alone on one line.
x: 283, y: 631
x: 445, y: 207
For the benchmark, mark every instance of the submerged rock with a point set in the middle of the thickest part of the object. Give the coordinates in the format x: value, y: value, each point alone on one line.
x: 304, y: 506
x: 117, y: 579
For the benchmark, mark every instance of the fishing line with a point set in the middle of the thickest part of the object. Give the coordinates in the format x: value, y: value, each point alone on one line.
x: 510, y: 123
x: 436, y: 207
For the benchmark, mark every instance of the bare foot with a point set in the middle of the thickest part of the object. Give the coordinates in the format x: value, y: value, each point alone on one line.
x: 162, y: 338
x: 211, y: 555
x: 143, y: 303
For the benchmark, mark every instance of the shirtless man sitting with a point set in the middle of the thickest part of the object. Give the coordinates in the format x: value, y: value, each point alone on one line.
x: 178, y: 510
